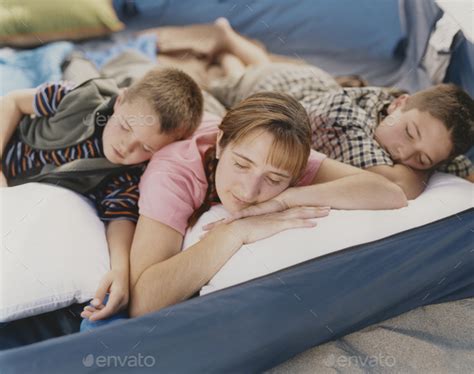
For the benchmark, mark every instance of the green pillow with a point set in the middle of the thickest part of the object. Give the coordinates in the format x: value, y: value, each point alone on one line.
x: 34, y: 22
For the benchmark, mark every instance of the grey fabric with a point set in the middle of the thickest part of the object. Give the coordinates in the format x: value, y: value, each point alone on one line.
x: 73, y: 123
x: 74, y: 120
x: 431, y: 339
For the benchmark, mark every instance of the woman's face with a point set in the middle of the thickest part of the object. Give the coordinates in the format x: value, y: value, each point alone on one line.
x: 243, y: 176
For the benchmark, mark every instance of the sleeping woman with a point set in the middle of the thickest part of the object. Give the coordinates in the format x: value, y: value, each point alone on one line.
x: 259, y: 164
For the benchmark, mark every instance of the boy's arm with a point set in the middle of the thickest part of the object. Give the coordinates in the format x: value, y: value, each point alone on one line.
x: 116, y: 282
x: 413, y: 182
x: 12, y: 108
x: 119, y: 238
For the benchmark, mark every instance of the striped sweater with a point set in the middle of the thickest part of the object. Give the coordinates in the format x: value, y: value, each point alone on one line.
x: 115, y: 198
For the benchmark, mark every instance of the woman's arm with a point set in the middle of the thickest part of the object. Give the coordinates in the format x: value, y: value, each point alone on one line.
x: 343, y: 186
x: 154, y: 242
x: 160, y: 283
x: 168, y: 282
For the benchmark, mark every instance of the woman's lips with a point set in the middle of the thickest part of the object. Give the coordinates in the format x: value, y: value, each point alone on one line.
x: 240, y: 202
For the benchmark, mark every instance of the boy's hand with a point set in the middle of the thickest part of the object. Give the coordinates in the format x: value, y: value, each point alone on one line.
x: 117, y: 284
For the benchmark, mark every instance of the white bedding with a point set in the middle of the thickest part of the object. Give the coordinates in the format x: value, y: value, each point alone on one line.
x: 445, y: 196
x: 53, y: 250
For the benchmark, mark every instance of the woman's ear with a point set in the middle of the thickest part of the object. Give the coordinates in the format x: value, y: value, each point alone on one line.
x: 218, y: 147
x: 399, y: 102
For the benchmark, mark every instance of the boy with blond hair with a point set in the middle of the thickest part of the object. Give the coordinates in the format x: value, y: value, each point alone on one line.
x: 95, y: 140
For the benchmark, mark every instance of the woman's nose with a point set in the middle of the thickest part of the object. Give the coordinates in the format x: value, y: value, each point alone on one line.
x: 251, y: 189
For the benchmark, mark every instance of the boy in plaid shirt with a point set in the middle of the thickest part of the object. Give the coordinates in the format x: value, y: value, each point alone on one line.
x: 405, y: 138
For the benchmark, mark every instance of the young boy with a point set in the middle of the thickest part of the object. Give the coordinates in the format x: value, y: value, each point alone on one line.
x: 405, y: 138
x: 95, y: 140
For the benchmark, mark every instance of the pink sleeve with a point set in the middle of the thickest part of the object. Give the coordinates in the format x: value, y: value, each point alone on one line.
x: 166, y: 197
x: 315, y: 160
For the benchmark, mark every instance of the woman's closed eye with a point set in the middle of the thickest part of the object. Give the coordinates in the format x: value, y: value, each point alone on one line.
x: 272, y: 181
x: 240, y: 166
x: 408, y: 132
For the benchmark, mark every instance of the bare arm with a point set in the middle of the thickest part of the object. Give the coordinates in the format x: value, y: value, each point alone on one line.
x: 116, y: 281
x: 162, y: 283
x: 342, y: 186
x: 154, y: 242
x: 119, y: 237
x: 12, y: 108
x: 412, y: 182
x: 336, y: 185
x: 170, y: 281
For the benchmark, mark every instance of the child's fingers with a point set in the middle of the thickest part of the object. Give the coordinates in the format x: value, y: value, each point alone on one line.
x: 93, y: 309
x: 101, y: 292
x: 86, y: 314
x: 112, y: 307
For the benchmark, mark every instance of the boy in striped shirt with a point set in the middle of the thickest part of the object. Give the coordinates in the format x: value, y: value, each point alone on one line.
x: 96, y: 140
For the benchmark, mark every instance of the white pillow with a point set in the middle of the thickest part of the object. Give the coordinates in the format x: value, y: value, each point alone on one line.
x: 54, y: 250
x: 445, y: 195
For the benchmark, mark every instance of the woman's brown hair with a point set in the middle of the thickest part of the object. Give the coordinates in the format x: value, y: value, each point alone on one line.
x: 276, y: 113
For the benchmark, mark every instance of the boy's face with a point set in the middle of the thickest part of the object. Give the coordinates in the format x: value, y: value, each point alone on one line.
x: 413, y: 138
x: 132, y: 133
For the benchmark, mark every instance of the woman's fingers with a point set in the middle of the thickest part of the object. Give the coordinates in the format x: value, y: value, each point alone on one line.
x: 304, y: 212
x: 267, y: 207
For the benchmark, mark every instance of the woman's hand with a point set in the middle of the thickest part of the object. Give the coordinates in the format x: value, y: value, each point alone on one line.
x: 252, y: 229
x: 279, y: 203
x: 117, y: 284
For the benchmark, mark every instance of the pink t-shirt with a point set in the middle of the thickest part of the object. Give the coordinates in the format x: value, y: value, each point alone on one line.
x: 174, y: 183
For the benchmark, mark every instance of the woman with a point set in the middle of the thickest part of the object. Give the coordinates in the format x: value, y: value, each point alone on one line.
x: 258, y: 160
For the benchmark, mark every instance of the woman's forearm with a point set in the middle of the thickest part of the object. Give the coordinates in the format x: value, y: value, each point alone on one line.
x: 179, y: 277
x: 360, y: 191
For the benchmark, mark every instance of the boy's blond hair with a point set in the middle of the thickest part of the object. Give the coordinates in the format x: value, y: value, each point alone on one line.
x: 174, y: 96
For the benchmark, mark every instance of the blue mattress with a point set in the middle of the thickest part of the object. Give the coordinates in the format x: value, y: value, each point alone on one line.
x: 259, y: 324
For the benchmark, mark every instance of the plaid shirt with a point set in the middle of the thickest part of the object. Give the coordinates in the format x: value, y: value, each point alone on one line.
x: 343, y: 121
